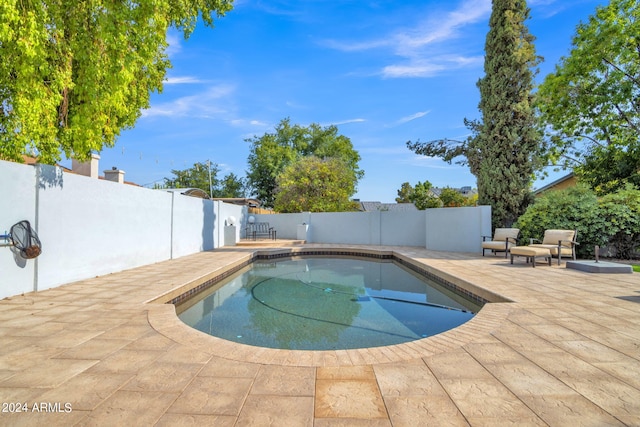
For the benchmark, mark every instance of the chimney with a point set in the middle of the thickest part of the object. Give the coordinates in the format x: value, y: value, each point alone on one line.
x: 88, y: 168
x: 115, y: 175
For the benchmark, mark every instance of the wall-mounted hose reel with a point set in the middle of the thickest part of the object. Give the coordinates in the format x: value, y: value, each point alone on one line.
x: 24, y: 239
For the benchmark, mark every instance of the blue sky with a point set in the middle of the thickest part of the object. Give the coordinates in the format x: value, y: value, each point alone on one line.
x: 384, y: 72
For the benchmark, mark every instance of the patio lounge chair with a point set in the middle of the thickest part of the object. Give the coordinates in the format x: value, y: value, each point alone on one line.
x: 503, y: 239
x: 561, y: 243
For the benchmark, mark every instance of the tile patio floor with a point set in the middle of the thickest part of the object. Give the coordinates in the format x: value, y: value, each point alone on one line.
x: 564, y: 352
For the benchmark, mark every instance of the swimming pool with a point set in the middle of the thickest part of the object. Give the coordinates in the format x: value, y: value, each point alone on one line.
x: 320, y: 303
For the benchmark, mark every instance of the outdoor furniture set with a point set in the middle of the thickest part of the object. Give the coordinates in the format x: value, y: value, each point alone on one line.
x: 555, y: 243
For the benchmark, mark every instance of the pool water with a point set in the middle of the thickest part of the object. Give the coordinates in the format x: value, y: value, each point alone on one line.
x: 318, y: 303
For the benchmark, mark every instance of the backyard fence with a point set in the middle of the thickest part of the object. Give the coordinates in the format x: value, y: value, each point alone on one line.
x: 90, y: 227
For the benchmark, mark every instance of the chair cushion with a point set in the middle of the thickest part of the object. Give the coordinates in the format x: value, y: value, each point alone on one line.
x: 501, y: 234
x: 554, y: 249
x: 529, y: 251
x: 551, y: 237
x: 496, y: 246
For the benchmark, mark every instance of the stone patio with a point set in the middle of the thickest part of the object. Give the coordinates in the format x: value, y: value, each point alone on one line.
x: 565, y: 350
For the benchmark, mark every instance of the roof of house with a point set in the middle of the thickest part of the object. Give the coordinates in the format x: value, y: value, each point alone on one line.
x: 465, y: 191
x: 243, y: 201
x: 557, y: 182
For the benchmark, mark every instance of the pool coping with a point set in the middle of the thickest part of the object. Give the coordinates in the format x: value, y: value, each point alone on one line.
x: 163, y: 318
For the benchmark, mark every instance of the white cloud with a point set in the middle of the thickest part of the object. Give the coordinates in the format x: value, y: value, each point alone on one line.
x: 548, y: 8
x: 412, y: 117
x: 203, y: 105
x: 182, y: 80
x: 426, y: 48
x: 422, y: 67
x: 174, y: 38
x: 344, y: 122
x: 415, y: 69
x: 249, y: 122
x: 439, y: 29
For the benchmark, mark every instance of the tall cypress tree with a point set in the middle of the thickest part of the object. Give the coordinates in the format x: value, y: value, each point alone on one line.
x: 505, y: 150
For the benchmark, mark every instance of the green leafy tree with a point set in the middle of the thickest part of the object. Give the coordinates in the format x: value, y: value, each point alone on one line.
x: 591, y: 103
x: 504, y: 149
x: 312, y: 184
x: 451, y: 198
x: 610, y: 168
x: 404, y: 193
x: 195, y: 177
x: 471, y: 200
x: 232, y: 186
x: 423, y: 197
x: 420, y: 195
x: 204, y: 175
x: 73, y: 73
x: 272, y: 152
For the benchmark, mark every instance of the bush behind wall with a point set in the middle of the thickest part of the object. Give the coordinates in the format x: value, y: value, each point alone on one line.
x: 612, y: 220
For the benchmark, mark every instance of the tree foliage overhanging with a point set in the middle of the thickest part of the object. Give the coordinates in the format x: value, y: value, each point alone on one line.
x: 272, y: 152
x: 311, y: 184
x: 504, y: 149
x: 74, y: 73
x: 592, y: 100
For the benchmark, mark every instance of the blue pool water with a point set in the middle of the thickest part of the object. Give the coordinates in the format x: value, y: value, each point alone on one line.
x: 318, y: 303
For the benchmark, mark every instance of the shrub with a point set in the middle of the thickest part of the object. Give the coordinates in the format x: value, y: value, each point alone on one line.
x: 621, y: 212
x: 575, y: 208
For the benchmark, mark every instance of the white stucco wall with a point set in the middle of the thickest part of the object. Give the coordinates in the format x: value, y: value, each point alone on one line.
x: 403, y: 228
x: 17, y: 203
x: 457, y: 229
x: 192, y: 217
x: 362, y: 228
x: 446, y: 229
x: 90, y: 227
